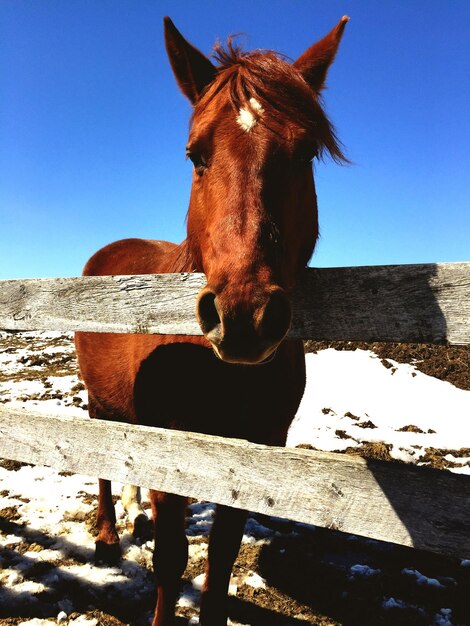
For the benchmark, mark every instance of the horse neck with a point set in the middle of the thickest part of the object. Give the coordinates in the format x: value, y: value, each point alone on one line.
x: 179, y: 259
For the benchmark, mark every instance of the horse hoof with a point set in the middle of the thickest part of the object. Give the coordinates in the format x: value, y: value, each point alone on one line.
x: 143, y: 528
x: 107, y: 553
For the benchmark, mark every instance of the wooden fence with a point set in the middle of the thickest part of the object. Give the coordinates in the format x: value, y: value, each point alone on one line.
x: 407, y: 505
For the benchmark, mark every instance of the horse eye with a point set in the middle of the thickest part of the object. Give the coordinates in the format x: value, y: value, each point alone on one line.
x: 308, y: 157
x: 197, y: 160
x: 306, y: 154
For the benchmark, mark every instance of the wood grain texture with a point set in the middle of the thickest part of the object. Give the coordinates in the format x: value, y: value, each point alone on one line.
x: 159, y: 304
x: 410, y: 303
x: 411, y: 506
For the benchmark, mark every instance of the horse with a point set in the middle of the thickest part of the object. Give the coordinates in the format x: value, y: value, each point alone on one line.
x: 252, y: 224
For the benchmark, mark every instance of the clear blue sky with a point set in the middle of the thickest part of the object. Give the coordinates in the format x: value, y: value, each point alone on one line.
x: 93, y: 127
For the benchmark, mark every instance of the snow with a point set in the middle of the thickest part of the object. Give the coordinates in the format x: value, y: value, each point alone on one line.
x: 345, y: 389
x: 393, y: 603
x: 202, y: 515
x: 344, y: 383
x: 39, y: 622
x: 255, y: 580
x: 363, y: 571
x: 422, y: 580
x: 443, y: 618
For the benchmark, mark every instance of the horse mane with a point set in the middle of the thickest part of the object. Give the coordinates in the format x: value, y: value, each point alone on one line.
x: 279, y: 87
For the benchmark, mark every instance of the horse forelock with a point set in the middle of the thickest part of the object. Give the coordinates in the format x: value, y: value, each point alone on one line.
x: 265, y: 85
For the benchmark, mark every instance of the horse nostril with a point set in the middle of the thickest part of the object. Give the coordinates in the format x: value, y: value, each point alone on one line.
x: 277, y: 316
x: 207, y: 314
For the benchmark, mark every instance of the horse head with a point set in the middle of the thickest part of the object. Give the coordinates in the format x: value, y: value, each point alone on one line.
x: 252, y: 224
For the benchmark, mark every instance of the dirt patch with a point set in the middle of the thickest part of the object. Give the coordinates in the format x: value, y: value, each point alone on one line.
x: 10, y: 513
x: 88, y: 498
x: 367, y: 424
x: 45, y: 367
x: 410, y: 428
x: 376, y: 450
x: 435, y: 457
x: 12, y: 466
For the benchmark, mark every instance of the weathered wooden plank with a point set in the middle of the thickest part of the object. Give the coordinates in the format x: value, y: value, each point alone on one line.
x: 402, y: 504
x: 411, y: 303
x: 159, y: 304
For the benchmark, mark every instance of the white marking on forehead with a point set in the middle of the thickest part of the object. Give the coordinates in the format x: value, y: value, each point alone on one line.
x: 248, y: 118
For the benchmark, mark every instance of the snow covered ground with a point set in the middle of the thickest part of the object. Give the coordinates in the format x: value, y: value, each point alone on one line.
x: 47, y: 574
x: 352, y: 397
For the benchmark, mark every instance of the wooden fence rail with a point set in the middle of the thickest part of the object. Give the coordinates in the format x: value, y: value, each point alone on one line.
x: 403, y: 504
x: 409, y: 303
x: 412, y: 506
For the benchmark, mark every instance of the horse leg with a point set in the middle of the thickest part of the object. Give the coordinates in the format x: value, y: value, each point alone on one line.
x: 170, y: 554
x: 224, y: 544
x: 142, y: 527
x: 107, y: 542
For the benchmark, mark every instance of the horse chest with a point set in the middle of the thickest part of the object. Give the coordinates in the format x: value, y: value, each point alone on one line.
x: 185, y: 386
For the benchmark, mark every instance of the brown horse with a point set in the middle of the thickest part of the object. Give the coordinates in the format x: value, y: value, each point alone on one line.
x: 252, y: 226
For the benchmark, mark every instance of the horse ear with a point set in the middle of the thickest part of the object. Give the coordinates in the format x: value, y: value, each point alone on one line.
x: 192, y: 69
x: 313, y: 64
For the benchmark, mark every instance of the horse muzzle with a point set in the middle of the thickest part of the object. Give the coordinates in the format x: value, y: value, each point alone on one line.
x: 244, y: 332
